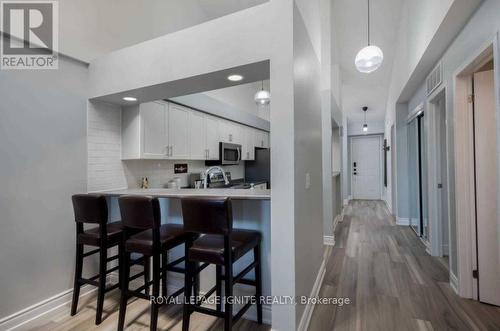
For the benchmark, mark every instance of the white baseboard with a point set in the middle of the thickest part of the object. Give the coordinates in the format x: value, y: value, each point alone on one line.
x: 308, y: 311
x: 44, y: 307
x: 329, y: 240
x: 63, y: 301
x: 454, y: 282
x: 402, y: 221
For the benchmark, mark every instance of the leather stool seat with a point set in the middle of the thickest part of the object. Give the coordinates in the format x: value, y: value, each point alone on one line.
x: 210, y: 247
x: 170, y: 235
x: 92, y: 236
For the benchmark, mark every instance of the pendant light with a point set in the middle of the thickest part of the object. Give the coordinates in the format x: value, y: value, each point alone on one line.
x: 262, y: 97
x: 371, y: 57
x: 365, y: 126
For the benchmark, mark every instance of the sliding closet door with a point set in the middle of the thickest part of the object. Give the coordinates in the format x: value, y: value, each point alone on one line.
x: 413, y: 176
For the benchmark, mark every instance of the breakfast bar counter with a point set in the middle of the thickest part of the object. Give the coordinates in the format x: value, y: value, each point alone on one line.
x: 235, y: 194
x: 251, y: 210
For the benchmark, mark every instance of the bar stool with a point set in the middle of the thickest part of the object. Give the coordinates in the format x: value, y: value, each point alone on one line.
x: 222, y: 246
x: 143, y: 233
x: 92, y: 208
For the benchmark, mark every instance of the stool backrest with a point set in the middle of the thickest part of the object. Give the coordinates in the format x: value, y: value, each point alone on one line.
x: 207, y: 215
x: 139, y: 212
x: 90, y: 208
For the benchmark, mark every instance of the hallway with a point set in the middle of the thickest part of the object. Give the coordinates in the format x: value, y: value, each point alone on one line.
x: 392, y: 282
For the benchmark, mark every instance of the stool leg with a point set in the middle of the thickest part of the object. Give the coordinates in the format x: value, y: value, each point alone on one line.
x: 258, y: 281
x: 103, y: 256
x: 156, y: 291
x: 218, y: 286
x: 125, y: 271
x: 147, y: 272
x: 187, y: 295
x: 78, y: 276
x: 164, y: 274
x: 228, y: 293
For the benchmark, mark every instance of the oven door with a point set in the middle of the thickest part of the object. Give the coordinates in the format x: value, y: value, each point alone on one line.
x: 230, y: 154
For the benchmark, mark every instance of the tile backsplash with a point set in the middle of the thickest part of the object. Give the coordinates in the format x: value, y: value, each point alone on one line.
x: 159, y: 172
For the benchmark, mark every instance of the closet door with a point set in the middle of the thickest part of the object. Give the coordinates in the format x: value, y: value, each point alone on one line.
x: 485, y: 142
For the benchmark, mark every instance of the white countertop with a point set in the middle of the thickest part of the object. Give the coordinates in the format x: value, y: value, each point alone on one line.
x: 238, y: 194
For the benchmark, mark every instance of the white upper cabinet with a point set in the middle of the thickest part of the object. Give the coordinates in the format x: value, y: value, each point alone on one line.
x: 212, y: 137
x: 197, y: 134
x: 144, y: 131
x: 248, y: 146
x: 178, y: 132
x: 161, y: 130
x: 153, y: 117
x: 261, y: 139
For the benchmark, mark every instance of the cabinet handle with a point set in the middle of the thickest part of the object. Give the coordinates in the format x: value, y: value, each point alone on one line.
x: 208, y: 153
x: 262, y: 143
x: 248, y: 155
x: 230, y: 137
x: 171, y: 150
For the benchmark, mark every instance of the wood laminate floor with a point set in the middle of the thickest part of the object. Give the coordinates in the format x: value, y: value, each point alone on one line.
x: 383, y: 268
x: 393, y: 283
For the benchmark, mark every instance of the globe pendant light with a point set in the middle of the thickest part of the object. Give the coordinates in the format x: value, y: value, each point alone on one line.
x: 371, y: 57
x: 262, y: 97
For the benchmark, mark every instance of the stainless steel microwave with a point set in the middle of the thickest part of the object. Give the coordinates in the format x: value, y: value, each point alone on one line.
x: 229, y: 153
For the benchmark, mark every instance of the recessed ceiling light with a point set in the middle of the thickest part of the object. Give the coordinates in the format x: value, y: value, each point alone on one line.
x: 129, y: 99
x: 235, y: 78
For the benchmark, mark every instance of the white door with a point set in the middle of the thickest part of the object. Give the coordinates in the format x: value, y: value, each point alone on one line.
x: 178, y: 132
x: 197, y: 141
x: 154, y: 139
x: 212, y: 137
x: 366, y: 167
x: 488, y: 248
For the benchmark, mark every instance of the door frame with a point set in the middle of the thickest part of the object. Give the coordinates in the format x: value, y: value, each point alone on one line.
x: 464, y: 163
x: 434, y: 166
x: 381, y: 179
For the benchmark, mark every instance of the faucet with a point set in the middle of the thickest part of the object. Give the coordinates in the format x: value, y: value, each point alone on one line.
x: 209, y: 170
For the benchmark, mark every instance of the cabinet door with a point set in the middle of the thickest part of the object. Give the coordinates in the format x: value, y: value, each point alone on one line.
x: 225, y: 131
x: 197, y: 141
x: 267, y: 141
x: 212, y: 137
x: 178, y: 132
x: 154, y: 139
x: 248, y: 146
x: 259, y: 138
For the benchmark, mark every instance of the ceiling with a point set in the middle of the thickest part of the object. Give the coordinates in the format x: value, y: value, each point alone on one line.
x: 120, y: 23
x: 350, y: 24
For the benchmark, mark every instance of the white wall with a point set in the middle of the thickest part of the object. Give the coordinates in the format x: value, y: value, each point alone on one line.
x: 43, y: 147
x: 308, y: 153
x: 479, y: 31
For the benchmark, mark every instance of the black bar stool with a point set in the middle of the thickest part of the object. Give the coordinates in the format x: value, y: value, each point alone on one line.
x: 222, y: 246
x: 143, y: 233
x: 92, y: 208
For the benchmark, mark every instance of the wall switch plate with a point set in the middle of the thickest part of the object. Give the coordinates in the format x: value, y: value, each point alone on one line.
x: 308, y: 181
